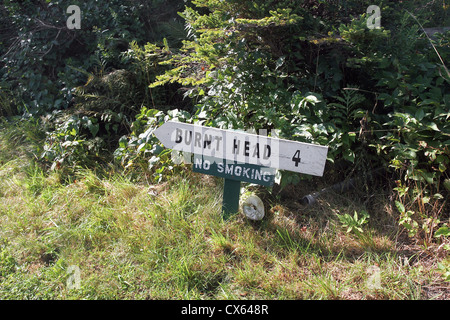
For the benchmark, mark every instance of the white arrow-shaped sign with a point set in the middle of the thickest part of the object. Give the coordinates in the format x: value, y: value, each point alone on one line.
x: 244, y: 147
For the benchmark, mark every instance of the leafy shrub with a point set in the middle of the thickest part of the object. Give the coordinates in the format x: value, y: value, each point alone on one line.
x: 244, y: 73
x: 37, y: 49
x: 141, y: 152
x: 86, y: 133
x: 86, y: 72
x: 409, y: 124
x: 72, y: 142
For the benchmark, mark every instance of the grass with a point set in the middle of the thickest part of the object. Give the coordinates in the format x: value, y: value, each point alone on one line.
x: 168, y: 241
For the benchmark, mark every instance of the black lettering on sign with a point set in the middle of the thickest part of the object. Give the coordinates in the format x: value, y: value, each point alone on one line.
x: 296, y: 158
x: 236, y: 144
x: 246, y: 148
x: 207, y: 141
x: 267, y: 152
x: 256, y: 151
x: 179, y: 135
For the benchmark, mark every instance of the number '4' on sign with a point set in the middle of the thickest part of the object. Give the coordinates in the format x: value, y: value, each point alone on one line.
x: 296, y: 158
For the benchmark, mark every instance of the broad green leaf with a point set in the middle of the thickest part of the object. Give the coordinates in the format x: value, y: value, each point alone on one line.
x: 433, y: 126
x: 400, y: 206
x: 419, y: 114
x: 443, y: 231
x: 447, y: 184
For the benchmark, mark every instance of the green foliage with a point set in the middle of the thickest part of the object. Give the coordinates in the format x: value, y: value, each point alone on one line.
x: 442, y: 232
x: 131, y: 244
x: 141, y: 151
x: 72, y: 142
x: 354, y: 223
x: 243, y: 67
x: 306, y: 70
x: 414, y: 137
x: 145, y: 63
x: 46, y: 68
x: 33, y: 41
x: 7, y: 261
x: 8, y: 103
x: 445, y: 270
x: 406, y: 219
x: 39, y: 51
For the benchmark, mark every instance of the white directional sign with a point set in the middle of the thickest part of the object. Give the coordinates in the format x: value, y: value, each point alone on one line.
x: 244, y: 147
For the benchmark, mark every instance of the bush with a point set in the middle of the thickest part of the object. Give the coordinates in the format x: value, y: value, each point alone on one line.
x: 82, y: 81
x: 40, y: 55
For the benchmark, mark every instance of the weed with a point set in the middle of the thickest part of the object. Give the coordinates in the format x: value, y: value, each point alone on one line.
x: 354, y: 223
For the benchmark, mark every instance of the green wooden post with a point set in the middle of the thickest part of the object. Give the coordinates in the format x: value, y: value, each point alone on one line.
x: 231, y: 192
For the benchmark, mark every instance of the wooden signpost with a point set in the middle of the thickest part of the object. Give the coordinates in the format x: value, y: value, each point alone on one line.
x: 239, y: 156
